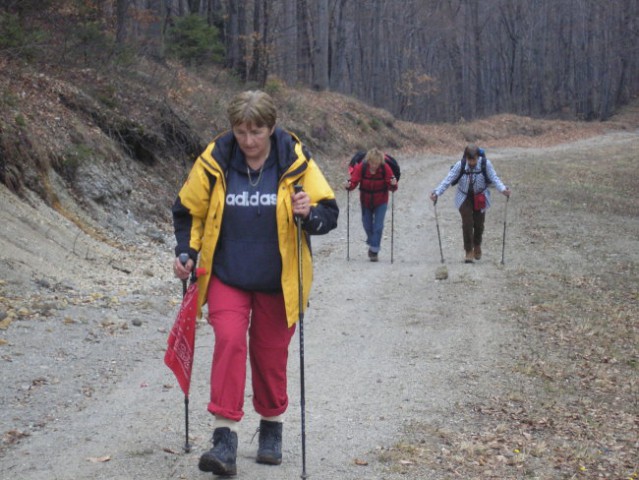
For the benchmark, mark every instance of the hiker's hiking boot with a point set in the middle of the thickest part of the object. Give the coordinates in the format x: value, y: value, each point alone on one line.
x: 372, y: 256
x: 221, y: 458
x: 270, y: 443
x: 477, y: 252
x: 470, y: 258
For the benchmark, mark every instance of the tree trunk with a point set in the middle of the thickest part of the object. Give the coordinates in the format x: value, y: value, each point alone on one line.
x: 122, y: 9
x: 320, y: 48
x: 234, y: 28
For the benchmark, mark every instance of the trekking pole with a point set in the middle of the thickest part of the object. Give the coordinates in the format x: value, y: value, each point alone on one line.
x: 392, y: 224
x: 439, y: 238
x: 348, y: 225
x: 503, y: 244
x: 184, y: 257
x: 300, y: 288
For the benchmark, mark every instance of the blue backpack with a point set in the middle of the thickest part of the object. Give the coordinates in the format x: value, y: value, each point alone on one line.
x: 482, y: 166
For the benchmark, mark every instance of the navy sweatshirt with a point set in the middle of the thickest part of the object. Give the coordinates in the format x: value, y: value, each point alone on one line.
x: 248, y: 255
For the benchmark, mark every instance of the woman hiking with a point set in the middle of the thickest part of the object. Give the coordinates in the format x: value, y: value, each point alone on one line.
x: 375, y: 179
x: 235, y: 216
x: 472, y: 175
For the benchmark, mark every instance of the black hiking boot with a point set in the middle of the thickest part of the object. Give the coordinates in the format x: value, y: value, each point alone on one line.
x: 372, y: 256
x: 270, y: 443
x: 221, y: 458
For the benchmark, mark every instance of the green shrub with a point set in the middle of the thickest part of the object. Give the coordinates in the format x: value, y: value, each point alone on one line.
x: 72, y: 158
x: 16, y: 40
x: 362, y: 125
x: 274, y: 86
x: 93, y: 43
x: 192, y: 41
x: 107, y: 95
x: 9, y: 99
x: 375, y: 123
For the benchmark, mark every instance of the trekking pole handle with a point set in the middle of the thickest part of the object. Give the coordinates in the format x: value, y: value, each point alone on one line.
x: 297, y: 189
x: 184, y: 257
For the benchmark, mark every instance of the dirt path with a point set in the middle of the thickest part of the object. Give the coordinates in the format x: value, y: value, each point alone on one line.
x: 85, y: 393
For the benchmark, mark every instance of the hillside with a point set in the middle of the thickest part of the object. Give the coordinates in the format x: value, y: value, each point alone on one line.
x: 106, y: 147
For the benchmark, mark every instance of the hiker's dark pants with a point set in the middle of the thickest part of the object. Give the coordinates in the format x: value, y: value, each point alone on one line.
x: 472, y: 224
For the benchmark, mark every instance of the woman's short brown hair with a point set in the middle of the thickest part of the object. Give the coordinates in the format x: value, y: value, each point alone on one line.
x: 471, y: 151
x: 253, y: 106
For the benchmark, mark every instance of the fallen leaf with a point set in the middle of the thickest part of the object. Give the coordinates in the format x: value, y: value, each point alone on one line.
x: 13, y: 436
x: 106, y: 458
x: 359, y: 461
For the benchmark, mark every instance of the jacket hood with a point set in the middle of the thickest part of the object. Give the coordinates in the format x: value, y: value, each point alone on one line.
x: 225, y: 147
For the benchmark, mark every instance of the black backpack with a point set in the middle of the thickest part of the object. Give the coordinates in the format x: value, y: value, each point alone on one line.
x: 482, y: 166
x: 392, y: 163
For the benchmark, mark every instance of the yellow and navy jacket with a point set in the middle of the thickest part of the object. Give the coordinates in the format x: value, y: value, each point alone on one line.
x: 198, y: 212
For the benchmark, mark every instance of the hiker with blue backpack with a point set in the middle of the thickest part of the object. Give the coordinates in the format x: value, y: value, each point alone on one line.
x: 373, y: 172
x: 473, y: 174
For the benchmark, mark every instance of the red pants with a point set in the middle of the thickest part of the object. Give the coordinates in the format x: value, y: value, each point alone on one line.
x: 233, y: 313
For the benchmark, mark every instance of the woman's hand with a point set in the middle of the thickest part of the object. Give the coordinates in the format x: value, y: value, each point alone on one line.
x: 301, y: 204
x: 182, y: 271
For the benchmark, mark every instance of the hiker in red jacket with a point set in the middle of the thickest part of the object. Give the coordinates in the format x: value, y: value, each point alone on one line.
x: 375, y: 179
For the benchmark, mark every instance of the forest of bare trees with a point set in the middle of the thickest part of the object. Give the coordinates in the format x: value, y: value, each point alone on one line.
x: 423, y: 60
